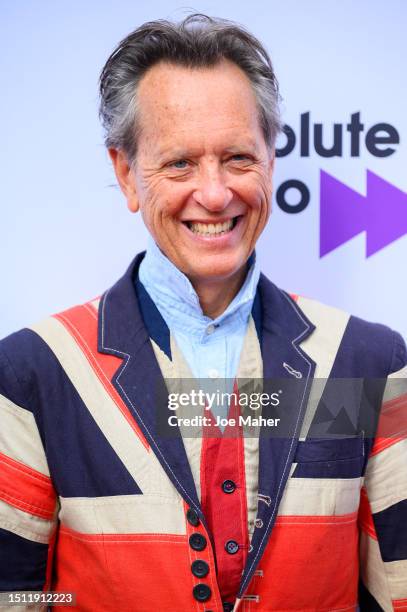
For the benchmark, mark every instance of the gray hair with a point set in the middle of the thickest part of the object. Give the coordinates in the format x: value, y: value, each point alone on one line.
x: 198, y: 41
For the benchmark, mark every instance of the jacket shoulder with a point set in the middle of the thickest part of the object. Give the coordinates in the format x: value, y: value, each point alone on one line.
x: 26, y: 355
x: 372, y: 348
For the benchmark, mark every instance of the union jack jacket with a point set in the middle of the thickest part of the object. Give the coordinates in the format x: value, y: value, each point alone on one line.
x: 96, y: 500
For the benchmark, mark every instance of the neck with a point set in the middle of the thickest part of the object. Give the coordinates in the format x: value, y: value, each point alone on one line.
x: 216, y: 295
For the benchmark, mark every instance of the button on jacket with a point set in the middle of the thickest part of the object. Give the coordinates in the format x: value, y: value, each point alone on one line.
x: 94, y: 495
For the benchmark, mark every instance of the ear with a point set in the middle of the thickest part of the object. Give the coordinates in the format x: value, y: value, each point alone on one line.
x: 125, y: 177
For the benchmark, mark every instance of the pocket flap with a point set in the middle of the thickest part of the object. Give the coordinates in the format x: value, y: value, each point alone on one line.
x: 329, y: 449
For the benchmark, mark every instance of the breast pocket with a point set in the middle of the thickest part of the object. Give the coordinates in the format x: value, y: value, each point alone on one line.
x: 326, y: 478
x: 330, y: 458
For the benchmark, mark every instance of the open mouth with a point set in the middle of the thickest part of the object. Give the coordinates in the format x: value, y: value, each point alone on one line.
x: 212, y: 229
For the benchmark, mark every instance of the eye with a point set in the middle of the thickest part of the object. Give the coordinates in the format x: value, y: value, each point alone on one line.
x: 239, y: 156
x: 180, y: 164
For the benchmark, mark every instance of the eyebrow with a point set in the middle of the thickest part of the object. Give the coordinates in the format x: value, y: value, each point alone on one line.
x: 181, y: 153
x: 242, y: 147
x: 175, y: 153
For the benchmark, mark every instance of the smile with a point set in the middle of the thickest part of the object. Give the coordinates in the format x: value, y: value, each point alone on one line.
x: 212, y: 229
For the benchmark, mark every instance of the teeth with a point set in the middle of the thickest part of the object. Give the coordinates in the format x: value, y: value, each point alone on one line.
x: 207, y: 229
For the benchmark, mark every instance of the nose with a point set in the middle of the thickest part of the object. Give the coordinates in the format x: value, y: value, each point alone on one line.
x: 212, y: 191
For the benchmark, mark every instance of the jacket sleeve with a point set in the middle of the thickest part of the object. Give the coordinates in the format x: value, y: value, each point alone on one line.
x: 383, y: 510
x: 28, y: 506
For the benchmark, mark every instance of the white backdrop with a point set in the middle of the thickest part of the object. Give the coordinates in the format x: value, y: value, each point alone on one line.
x: 66, y: 232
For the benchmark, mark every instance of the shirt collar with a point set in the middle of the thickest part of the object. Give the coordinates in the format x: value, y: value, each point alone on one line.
x: 178, y: 302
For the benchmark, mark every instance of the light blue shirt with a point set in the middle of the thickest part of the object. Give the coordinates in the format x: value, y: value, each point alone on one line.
x: 211, y: 347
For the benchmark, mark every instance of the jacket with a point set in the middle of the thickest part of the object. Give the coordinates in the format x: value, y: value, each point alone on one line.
x: 96, y: 500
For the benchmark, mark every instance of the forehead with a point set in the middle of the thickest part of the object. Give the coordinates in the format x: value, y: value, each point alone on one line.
x: 179, y: 105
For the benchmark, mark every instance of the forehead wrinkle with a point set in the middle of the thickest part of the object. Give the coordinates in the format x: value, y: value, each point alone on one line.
x: 178, y: 118
x: 170, y: 106
x: 176, y: 144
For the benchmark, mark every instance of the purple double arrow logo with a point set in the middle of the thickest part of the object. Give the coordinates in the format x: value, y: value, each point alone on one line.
x: 345, y: 213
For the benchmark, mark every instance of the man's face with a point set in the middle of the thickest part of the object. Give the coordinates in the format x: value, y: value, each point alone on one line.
x: 202, y: 175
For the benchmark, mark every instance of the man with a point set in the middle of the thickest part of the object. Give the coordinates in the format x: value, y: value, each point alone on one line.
x: 100, y: 496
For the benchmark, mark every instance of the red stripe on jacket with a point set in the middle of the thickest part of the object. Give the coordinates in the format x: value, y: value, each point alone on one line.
x: 26, y: 489
x: 81, y: 323
x: 392, y: 426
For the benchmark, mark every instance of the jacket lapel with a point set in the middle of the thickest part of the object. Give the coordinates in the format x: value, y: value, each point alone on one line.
x: 139, y: 380
x: 287, y: 370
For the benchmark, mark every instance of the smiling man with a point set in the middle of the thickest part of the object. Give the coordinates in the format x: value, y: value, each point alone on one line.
x: 202, y: 179
x: 104, y: 495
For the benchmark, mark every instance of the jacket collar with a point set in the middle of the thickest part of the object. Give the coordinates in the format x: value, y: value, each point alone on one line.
x: 120, y: 326
x: 282, y: 326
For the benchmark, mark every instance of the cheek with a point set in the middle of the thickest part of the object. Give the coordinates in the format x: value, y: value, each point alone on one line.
x: 165, y: 198
x: 160, y: 215
x: 157, y: 203
x: 258, y: 197
x: 255, y: 189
